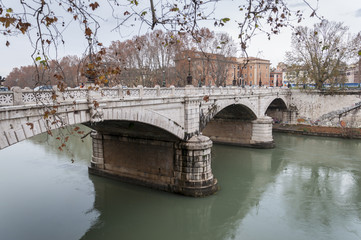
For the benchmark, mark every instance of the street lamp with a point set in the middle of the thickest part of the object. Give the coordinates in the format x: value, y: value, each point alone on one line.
x: 163, y: 84
x: 90, y: 72
x: 189, y: 77
x: 234, y: 76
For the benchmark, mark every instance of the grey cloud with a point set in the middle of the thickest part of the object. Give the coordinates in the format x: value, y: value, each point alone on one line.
x: 358, y: 13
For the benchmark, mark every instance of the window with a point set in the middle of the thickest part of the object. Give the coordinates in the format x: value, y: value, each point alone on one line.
x: 250, y: 75
x: 250, y: 67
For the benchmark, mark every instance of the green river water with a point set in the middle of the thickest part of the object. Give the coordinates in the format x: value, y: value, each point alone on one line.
x: 305, y: 188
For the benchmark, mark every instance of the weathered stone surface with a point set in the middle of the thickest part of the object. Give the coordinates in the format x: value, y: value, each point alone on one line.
x: 153, y: 136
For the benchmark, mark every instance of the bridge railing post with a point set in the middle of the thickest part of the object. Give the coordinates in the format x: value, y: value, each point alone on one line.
x: 141, y: 91
x: 204, y: 89
x: 172, y: 89
x: 18, y: 96
x: 120, y: 91
x: 157, y: 88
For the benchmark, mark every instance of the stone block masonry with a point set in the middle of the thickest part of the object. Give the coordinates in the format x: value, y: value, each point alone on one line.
x: 192, y: 167
x: 181, y: 167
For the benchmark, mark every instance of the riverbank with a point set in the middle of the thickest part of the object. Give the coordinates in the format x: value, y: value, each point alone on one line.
x: 318, y: 130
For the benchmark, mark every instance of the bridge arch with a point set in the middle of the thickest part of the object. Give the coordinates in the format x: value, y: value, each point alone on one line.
x: 232, y: 123
x: 274, y: 102
x: 149, y: 117
x: 16, y: 130
x: 245, y: 103
x: 235, y: 108
x: 277, y: 109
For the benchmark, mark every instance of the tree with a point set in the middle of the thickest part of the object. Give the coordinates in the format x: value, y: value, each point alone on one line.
x: 45, y: 21
x: 68, y: 66
x: 320, y: 54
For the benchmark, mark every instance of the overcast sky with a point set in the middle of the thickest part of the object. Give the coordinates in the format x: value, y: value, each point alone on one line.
x: 347, y: 11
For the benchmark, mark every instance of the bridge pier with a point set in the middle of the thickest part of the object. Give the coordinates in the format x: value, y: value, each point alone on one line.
x: 182, y: 167
x: 262, y: 133
x: 193, y: 172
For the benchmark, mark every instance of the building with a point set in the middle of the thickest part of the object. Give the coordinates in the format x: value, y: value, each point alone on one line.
x: 217, y: 70
x: 276, y: 78
x: 254, y: 71
x: 353, y: 73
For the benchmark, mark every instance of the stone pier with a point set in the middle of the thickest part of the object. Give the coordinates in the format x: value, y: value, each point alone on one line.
x: 193, y: 172
x: 182, y: 167
x: 262, y: 133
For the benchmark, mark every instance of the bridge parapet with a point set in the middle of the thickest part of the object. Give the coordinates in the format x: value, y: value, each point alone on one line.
x: 27, y: 96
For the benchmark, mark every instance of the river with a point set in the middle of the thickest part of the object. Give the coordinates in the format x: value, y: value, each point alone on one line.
x: 305, y: 188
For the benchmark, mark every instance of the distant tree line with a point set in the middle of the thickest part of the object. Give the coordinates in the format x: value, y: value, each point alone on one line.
x: 143, y: 60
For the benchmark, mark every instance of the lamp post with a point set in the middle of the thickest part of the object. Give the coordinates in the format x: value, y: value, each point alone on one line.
x: 163, y: 84
x: 234, y: 76
x: 189, y: 77
x: 90, y: 73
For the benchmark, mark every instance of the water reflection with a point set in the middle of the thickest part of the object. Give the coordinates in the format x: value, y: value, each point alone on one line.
x: 43, y: 194
x: 140, y: 213
x: 316, y: 196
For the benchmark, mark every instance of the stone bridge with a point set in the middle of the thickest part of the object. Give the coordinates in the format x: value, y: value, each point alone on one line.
x: 158, y: 137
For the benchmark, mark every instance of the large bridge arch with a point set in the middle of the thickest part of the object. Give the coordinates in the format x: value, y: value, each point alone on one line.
x: 18, y: 129
x: 148, y: 117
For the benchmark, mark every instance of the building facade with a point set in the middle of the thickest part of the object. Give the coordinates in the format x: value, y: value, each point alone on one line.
x: 209, y: 69
x: 353, y: 73
x: 276, y: 78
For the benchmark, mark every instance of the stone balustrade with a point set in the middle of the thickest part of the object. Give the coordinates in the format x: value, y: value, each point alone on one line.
x: 26, y: 96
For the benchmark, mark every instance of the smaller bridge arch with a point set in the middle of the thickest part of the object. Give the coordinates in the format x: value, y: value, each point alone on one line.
x: 278, y: 109
x: 236, y: 107
x: 238, y: 124
x: 275, y: 101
